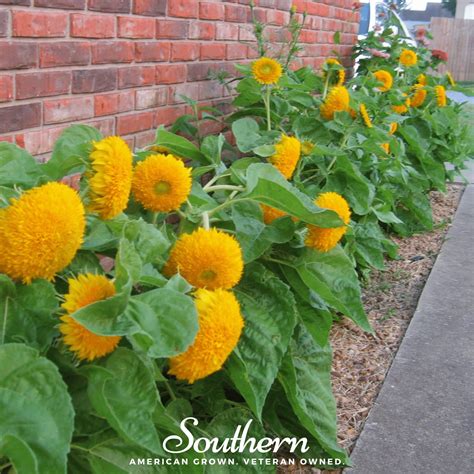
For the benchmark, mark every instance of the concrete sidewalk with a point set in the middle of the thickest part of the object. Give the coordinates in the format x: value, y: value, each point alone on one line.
x: 423, y: 420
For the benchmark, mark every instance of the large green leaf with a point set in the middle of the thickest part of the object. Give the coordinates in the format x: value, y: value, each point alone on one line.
x: 179, y: 146
x: 36, y: 414
x: 18, y: 167
x: 253, y: 235
x: 267, y: 185
x: 269, y: 310
x: 123, y: 391
x: 71, y: 151
x: 306, y: 378
x: 246, y: 132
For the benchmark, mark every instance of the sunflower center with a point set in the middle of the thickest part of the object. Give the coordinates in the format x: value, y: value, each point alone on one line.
x: 267, y: 69
x: 162, y: 187
x: 208, y: 275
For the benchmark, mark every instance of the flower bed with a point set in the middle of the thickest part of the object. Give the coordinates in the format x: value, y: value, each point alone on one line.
x: 197, y: 279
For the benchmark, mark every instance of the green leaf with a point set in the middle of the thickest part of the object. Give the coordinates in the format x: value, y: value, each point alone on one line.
x: 212, y: 147
x: 71, y: 151
x: 267, y: 185
x: 317, y: 322
x: 167, y: 322
x: 269, y: 310
x: 306, y: 378
x: 36, y: 420
x: 179, y: 146
x: 337, y: 37
x: 246, y: 132
x: 253, y: 235
x: 249, y: 92
x: 18, y: 167
x: 123, y: 391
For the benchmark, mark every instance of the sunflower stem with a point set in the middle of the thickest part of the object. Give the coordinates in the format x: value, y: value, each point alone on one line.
x: 227, y: 204
x: 154, y: 218
x: 170, y: 390
x: 326, y: 84
x: 205, y: 220
x: 267, y: 106
x: 228, y: 187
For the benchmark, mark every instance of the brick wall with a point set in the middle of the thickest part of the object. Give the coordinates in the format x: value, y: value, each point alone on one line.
x: 121, y: 65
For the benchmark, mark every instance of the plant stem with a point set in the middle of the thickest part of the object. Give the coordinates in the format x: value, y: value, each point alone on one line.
x: 228, y: 187
x: 214, y: 179
x: 170, y: 390
x: 267, y: 106
x: 205, y: 220
x: 326, y: 85
x: 226, y: 204
x: 154, y: 218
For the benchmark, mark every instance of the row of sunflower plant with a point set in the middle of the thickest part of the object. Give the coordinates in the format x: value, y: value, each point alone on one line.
x: 198, y: 278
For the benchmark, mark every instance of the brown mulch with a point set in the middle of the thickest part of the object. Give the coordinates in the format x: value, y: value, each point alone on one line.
x: 360, y: 360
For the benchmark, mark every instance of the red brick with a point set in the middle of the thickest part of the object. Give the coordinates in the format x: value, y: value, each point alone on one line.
x: 144, y: 139
x: 4, y: 23
x: 68, y: 53
x: 19, y: 117
x: 92, y: 26
x: 66, y: 4
x: 110, y: 6
x: 227, y: 31
x: 236, y: 13
x: 184, y: 51
x: 18, y: 55
x: 110, y: 104
x: 133, y: 27
x: 211, y: 11
x: 9, y: 139
x: 136, y: 76
x: 68, y: 110
x: 151, y: 98
x: 236, y: 51
x: 16, y: 2
x: 209, y: 90
x: 94, y: 80
x: 200, y: 71
x: 202, y: 30
x: 127, y: 124
x: 168, y: 115
x: 113, y: 52
x: 184, y: 90
x: 105, y: 126
x: 172, y: 29
x: 275, y: 17
x: 152, y: 51
x: 42, y: 84
x: 170, y: 73
x: 183, y: 8
x: 6, y: 88
x: 149, y: 7
x: 39, y: 141
x: 39, y: 24
x: 212, y: 51
x: 317, y: 9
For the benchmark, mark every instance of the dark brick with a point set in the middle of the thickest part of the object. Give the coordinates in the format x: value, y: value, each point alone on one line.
x: 112, y: 52
x: 19, y: 117
x: 42, y: 84
x: 66, y: 4
x: 18, y: 55
x: 66, y: 53
x: 3, y: 23
x: 94, y: 80
x: 110, y: 6
x: 25, y: 3
x: 149, y: 7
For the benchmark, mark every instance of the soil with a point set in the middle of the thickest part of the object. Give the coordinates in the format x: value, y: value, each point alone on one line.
x: 360, y: 360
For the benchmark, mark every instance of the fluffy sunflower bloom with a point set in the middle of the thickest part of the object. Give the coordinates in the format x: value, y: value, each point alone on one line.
x: 336, y: 101
x: 402, y: 108
x: 408, y: 58
x: 207, y: 259
x: 365, y: 116
x: 220, y: 327
x: 325, y: 239
x: 440, y: 93
x: 385, y: 147
x: 421, y: 79
x: 40, y: 232
x: 84, y: 290
x: 418, y: 96
x: 110, y: 179
x: 393, y: 128
x: 270, y: 213
x: 385, y: 78
x: 288, y: 152
x: 340, y: 73
x: 161, y: 183
x: 266, y: 71
x: 307, y: 147
x: 450, y: 78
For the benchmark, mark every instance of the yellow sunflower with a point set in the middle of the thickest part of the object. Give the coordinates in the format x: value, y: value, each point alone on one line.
x: 385, y: 147
x: 288, y: 152
x: 84, y: 290
x: 340, y: 73
x: 325, y: 239
x: 40, y: 232
x: 393, y: 128
x: 336, y: 101
x: 220, y: 327
x: 207, y: 259
x: 161, y: 183
x: 440, y: 93
x: 408, y: 58
x: 402, y: 108
x: 385, y: 78
x: 365, y: 116
x: 270, y: 213
x: 450, y: 78
x: 110, y: 180
x: 421, y: 79
x: 266, y: 71
x: 418, y: 96
x: 307, y: 147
